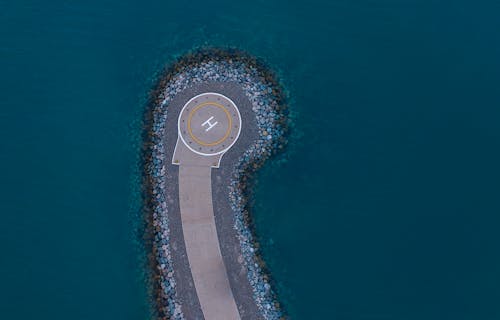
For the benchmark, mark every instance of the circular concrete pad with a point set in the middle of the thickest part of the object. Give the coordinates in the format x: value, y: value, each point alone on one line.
x: 209, y: 124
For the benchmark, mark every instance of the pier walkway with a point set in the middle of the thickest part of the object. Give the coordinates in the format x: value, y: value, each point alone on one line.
x: 208, y: 127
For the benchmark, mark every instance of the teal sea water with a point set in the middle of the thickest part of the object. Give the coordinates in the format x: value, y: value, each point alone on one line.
x: 385, y: 207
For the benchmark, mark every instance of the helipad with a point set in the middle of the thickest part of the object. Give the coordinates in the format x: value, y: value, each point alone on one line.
x: 209, y: 124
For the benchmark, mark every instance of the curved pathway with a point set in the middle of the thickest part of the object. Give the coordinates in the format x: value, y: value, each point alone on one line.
x: 202, y: 245
x: 209, y: 124
x: 203, y: 136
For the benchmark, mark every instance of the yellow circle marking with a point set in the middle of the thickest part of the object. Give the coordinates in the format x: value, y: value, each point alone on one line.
x: 228, y: 131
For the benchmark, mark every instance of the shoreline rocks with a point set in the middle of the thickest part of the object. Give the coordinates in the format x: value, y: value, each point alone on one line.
x: 268, y: 103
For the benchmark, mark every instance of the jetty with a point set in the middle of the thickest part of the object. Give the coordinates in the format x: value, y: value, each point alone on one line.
x: 214, y: 122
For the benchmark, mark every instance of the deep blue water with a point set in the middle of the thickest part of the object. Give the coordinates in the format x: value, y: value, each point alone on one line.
x: 387, y: 204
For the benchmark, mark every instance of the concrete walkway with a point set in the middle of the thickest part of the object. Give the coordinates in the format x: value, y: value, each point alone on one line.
x: 202, y: 245
x: 209, y: 271
x: 208, y: 125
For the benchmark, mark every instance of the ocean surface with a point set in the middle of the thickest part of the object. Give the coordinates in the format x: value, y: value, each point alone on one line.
x: 385, y: 207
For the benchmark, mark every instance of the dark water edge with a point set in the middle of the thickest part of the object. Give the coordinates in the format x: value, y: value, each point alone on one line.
x: 386, y: 207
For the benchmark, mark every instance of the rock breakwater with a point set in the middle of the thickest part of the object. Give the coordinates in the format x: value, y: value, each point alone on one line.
x: 269, y: 107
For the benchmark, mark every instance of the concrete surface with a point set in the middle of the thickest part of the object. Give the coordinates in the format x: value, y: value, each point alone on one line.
x: 229, y: 247
x: 209, y: 124
x: 202, y: 244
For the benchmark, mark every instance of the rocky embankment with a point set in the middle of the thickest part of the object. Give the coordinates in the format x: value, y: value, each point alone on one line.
x: 268, y: 103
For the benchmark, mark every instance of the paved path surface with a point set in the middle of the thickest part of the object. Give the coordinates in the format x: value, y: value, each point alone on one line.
x: 202, y: 245
x: 208, y: 265
x: 209, y: 124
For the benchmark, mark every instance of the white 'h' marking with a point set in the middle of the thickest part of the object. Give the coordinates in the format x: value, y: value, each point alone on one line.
x: 210, y: 124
